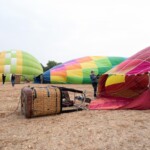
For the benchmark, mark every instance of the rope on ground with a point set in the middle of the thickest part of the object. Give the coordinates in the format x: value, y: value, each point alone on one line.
x: 15, y: 109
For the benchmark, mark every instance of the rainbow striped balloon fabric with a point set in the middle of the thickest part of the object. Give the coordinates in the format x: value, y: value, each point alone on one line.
x: 20, y: 63
x: 77, y: 71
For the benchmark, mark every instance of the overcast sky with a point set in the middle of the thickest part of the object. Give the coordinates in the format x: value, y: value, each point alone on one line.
x: 62, y: 30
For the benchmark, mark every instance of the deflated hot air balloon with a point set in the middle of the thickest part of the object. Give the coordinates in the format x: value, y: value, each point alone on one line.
x: 20, y: 63
x: 126, y: 86
x: 77, y: 71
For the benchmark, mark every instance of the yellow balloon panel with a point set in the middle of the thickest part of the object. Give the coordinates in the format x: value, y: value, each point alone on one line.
x: 97, y: 57
x: 61, y: 79
x: 2, y: 55
x: 115, y: 79
x: 77, y: 73
x: 19, y: 54
x: 88, y: 65
x: 19, y: 70
x: 19, y: 61
x: 2, y: 61
x: 2, y: 69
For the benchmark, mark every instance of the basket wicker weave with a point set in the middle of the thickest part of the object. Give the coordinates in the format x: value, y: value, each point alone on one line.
x: 45, y: 103
x: 40, y: 101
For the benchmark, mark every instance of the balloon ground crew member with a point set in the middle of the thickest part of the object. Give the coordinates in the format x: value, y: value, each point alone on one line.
x: 3, y: 78
x: 13, y: 80
x: 94, y: 81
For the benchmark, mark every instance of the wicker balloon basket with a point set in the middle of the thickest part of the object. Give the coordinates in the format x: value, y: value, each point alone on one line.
x: 50, y: 100
x: 40, y: 101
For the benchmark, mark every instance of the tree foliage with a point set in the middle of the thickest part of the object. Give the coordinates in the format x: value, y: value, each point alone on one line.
x: 50, y: 65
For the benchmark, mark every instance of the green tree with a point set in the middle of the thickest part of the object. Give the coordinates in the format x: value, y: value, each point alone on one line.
x: 50, y: 65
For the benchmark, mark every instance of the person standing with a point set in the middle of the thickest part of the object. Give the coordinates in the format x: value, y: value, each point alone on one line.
x: 94, y: 81
x: 3, y: 78
x: 13, y: 80
x: 41, y: 78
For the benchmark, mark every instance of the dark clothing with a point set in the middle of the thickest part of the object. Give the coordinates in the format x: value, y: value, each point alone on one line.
x: 3, y: 78
x: 95, y: 88
x: 94, y: 80
x: 13, y: 80
x: 41, y: 78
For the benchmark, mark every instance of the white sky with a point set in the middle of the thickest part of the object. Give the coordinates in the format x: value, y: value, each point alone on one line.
x: 62, y: 30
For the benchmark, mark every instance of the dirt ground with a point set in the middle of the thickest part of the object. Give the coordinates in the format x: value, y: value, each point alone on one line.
x: 79, y: 130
